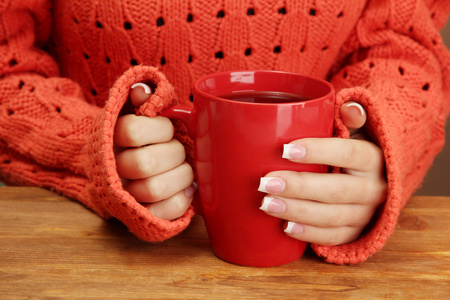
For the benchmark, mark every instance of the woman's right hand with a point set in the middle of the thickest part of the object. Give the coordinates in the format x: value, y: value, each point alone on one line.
x: 151, y: 162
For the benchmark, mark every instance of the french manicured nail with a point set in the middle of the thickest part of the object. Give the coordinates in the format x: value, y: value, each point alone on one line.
x: 293, y: 151
x: 358, y: 106
x: 294, y: 228
x: 190, y: 190
x: 146, y: 88
x: 273, y: 205
x: 271, y: 185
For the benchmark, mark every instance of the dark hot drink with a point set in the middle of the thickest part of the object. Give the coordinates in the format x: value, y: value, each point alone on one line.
x: 264, y: 97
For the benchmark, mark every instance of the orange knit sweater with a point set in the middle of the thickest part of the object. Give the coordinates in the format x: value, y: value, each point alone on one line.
x: 65, y: 77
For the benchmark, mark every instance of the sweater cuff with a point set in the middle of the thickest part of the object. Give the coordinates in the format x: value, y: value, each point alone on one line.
x: 383, y: 223
x: 105, y: 189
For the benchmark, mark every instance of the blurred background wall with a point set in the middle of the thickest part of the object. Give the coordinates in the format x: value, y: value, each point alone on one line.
x: 437, y: 181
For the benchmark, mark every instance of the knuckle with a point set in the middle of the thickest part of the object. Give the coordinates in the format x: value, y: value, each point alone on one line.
x: 181, y: 204
x: 338, y: 237
x: 375, y: 160
x: 337, y: 193
x: 332, y: 240
x: 366, y: 190
x: 350, y: 235
x: 189, y: 172
x: 340, y: 217
x: 379, y: 192
x: 360, y: 219
x: 165, y: 129
x: 372, y: 191
x: 154, y: 190
x: 299, y: 184
x: 173, y: 208
x: 166, y: 124
x: 178, y: 148
x: 332, y: 236
x: 349, y: 151
x: 300, y: 211
x: 132, y: 131
x: 331, y: 222
x: 170, y: 208
x: 170, y: 128
x: 325, y: 237
x: 143, y: 164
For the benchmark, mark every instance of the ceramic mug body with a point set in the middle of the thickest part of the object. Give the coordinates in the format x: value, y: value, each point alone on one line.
x: 237, y: 143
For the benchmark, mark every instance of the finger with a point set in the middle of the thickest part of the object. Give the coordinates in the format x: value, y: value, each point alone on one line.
x: 322, y: 236
x: 353, y: 154
x: 173, y: 207
x: 140, y: 92
x: 317, y: 214
x: 332, y: 188
x: 143, y: 162
x: 353, y: 114
x: 137, y: 131
x: 161, y: 186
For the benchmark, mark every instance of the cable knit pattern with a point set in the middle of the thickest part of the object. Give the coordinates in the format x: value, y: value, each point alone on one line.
x: 66, y: 67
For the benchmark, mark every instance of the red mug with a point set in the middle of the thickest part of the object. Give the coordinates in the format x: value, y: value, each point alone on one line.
x: 238, y: 141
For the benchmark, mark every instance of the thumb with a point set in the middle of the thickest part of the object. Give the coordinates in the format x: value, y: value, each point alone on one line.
x: 354, y: 115
x: 140, y: 92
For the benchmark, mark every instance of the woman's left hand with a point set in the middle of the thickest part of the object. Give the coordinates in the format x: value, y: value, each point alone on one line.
x: 329, y: 208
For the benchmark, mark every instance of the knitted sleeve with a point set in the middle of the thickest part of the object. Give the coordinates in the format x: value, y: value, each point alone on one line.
x: 43, y: 118
x: 51, y: 137
x: 397, y: 66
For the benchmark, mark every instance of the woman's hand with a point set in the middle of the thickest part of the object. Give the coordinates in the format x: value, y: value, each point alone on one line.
x: 152, y: 163
x: 329, y: 208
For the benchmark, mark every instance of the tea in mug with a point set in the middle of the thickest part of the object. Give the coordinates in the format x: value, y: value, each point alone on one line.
x: 264, y: 97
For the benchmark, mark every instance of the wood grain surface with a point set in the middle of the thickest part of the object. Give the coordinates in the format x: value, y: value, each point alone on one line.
x: 54, y: 248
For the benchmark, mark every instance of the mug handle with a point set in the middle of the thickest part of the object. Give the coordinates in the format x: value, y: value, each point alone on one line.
x: 182, y: 113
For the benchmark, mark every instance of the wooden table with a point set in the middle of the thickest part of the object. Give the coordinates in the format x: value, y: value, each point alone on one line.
x: 52, y: 247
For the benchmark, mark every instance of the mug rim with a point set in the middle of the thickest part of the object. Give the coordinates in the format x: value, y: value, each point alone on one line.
x: 329, y: 94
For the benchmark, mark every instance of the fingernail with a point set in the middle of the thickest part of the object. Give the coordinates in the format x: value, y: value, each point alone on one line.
x: 293, y: 151
x: 294, y: 228
x: 190, y: 190
x: 271, y: 185
x: 146, y: 88
x: 358, y: 106
x: 273, y: 205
